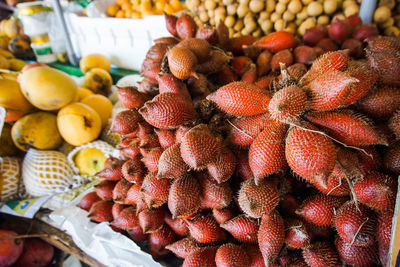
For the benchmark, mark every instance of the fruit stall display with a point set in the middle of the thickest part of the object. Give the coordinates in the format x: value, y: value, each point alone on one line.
x: 258, y: 152
x: 258, y: 17
x: 137, y: 9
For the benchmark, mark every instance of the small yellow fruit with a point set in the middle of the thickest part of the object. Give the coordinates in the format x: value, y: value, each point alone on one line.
x: 11, y: 96
x: 82, y: 93
x: 78, y: 124
x: 7, y: 147
x: 4, y: 40
x: 101, y: 104
x: 47, y: 88
x: 90, y: 161
x: 5, y: 53
x: 95, y: 61
x: 16, y: 64
x: 4, y: 63
x: 98, y: 80
x: 37, y: 130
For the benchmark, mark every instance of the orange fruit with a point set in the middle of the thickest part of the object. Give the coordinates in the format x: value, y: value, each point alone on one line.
x: 112, y: 10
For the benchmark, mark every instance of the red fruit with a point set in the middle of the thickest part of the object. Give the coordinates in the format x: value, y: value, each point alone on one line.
x: 137, y: 234
x: 120, y: 191
x: 159, y: 239
x: 167, y: 83
x: 384, y: 254
x: 328, y: 62
x: 130, y: 97
x: 370, y: 161
x: 267, y: 152
x: 101, y: 211
x: 230, y: 255
x: 365, y: 31
x: 166, y: 138
x: 319, y: 232
x: 171, y: 164
x: 133, y: 194
x: 240, y: 99
x: 354, y: 21
x: 348, y: 127
x: 208, y: 33
x: 177, y: 225
x: 215, y: 195
x: 226, y: 75
x: 236, y: 44
x: 88, y: 200
x: 355, y: 47
x: 243, y: 169
x: 126, y: 121
x: 285, y: 57
x: 320, y: 209
x: 224, y: 214
x: 112, y: 169
x: 170, y: 22
x: 168, y: 110
x: 205, y: 229
x: 151, y: 159
x: 116, y: 209
x: 310, y: 155
x: 296, y: 234
x: 334, y: 186
x: 392, y: 159
x: 184, y: 198
x: 182, y: 62
x: 133, y: 170
x: 255, y: 256
x: 35, y: 253
x: 327, y: 45
x: 242, y: 228
x: 199, y: 147
x: 104, y: 189
x: 381, y: 102
x: 10, y: 249
x: 185, y: 26
x: 223, y: 166
x: 271, y: 236
x: 277, y: 41
x: 180, y: 133
x: 184, y: 247
x: 321, y: 254
x: 257, y: 200
x: 263, y: 63
x: 245, y: 130
x: 383, y: 43
x: 130, y: 152
x: 377, y: 191
x: 157, y: 51
x: 289, y: 204
x: 148, y: 86
x: 355, y: 225
x: 319, y: 51
x: 339, y: 30
x: 152, y: 219
x: 200, y: 47
x: 315, y: 34
x: 330, y: 90
x: 394, y: 122
x: 216, y: 62
x: 127, y: 219
x: 356, y: 255
x: 204, y: 257
x: 155, y: 190
x: 250, y: 76
x: 304, y: 54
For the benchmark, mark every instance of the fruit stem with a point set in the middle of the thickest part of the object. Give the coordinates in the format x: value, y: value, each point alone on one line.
x: 240, y: 130
x: 10, y: 71
x: 23, y: 236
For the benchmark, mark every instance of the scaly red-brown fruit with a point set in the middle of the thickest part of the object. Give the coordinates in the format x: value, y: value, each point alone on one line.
x: 184, y: 247
x: 159, y: 239
x: 246, y: 129
x: 257, y: 200
x: 356, y: 255
x: 104, y: 189
x: 271, y: 236
x: 101, y: 211
x: 321, y: 254
x: 152, y: 158
x: 205, y: 229
x: 242, y: 228
x: 255, y: 256
x: 204, y: 257
x: 200, y: 47
x: 127, y: 219
x: 120, y: 191
x: 152, y: 219
x: 126, y: 121
x: 36, y: 253
x: 296, y: 234
x: 166, y: 138
x: 167, y: 83
x: 394, y: 123
x: 168, y: 111
x: 215, y: 63
x: 309, y: 154
x: 182, y: 62
x: 130, y: 97
x: 136, y: 234
x: 185, y: 26
x: 288, y: 104
x: 381, y: 102
x: 335, y: 186
x: 223, y: 166
x: 133, y: 194
x: 243, y: 169
x: 133, y: 170
x: 241, y: 64
x: 177, y: 225
x: 225, y: 214
x: 355, y: 225
x: 215, y: 195
x: 171, y: 164
x: 155, y: 190
x: 230, y: 255
x: 184, y: 197
x: 199, y: 147
x: 384, y: 228
x: 116, y: 209
x: 241, y: 99
x: 267, y: 152
x: 348, y: 127
x: 320, y: 209
x: 112, y: 169
x: 88, y: 200
x: 377, y: 191
x: 10, y: 249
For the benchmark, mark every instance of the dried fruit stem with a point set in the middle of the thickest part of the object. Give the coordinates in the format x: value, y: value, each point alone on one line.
x: 23, y: 236
x: 240, y: 130
x: 358, y: 230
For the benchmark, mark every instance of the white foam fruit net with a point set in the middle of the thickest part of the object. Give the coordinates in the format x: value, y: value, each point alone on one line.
x: 46, y: 172
x: 108, y: 136
x: 11, y: 185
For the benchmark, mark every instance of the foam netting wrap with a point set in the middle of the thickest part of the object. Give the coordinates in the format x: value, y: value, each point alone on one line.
x: 11, y: 186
